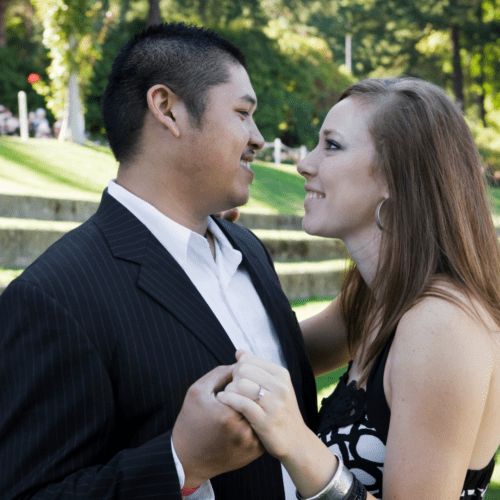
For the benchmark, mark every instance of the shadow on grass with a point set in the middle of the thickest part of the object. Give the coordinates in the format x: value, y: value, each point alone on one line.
x: 495, y: 199
x: 12, y: 151
x: 493, y: 492
x: 282, y: 190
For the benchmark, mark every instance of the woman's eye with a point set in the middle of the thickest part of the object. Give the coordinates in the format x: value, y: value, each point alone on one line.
x: 244, y: 113
x: 331, y: 145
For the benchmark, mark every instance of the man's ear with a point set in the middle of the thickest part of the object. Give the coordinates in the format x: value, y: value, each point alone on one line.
x: 162, y: 103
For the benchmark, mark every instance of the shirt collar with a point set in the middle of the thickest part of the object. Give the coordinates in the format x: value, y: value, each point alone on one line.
x: 172, y: 235
x: 175, y: 237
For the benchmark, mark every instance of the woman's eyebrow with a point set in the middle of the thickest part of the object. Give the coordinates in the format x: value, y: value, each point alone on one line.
x: 327, y: 132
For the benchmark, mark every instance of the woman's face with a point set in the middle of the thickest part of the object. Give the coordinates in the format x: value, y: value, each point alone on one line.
x: 343, y: 189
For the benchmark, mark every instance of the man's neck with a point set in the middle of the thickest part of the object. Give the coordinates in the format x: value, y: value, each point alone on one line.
x: 161, y: 198
x: 211, y: 242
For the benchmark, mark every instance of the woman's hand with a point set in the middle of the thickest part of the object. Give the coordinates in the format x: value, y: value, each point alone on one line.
x: 275, y: 417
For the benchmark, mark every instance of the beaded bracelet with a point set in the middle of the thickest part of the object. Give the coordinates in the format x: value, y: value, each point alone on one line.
x: 358, y: 491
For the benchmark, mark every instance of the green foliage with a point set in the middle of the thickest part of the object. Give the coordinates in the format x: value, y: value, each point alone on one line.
x: 73, y: 33
x: 295, y: 49
x: 24, y: 54
x: 15, y: 69
x: 293, y: 75
x: 295, y: 80
x: 396, y: 37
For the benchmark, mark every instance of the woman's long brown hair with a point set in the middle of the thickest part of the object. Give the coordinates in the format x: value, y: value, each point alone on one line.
x: 437, y: 223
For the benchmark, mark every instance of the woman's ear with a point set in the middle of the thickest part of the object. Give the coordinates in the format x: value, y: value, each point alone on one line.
x: 161, y: 102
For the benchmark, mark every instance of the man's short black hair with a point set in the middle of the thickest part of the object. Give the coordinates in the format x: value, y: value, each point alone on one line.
x: 187, y: 59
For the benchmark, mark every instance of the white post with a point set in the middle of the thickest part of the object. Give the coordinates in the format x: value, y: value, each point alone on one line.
x: 303, y: 152
x: 23, y: 115
x: 277, y: 151
x: 348, y: 53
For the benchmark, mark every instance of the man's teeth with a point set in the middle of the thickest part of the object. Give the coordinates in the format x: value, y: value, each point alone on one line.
x: 244, y: 163
x: 312, y: 195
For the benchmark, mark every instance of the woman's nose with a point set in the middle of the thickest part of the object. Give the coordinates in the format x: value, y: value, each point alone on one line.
x: 305, y: 166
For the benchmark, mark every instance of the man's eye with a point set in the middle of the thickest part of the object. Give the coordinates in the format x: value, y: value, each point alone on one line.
x: 331, y: 145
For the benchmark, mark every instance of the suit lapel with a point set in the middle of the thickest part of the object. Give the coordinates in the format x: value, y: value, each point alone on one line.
x: 265, y: 284
x: 161, y: 277
x: 278, y: 308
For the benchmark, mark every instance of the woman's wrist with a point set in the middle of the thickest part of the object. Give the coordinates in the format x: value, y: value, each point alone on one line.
x: 340, y: 487
x: 310, y: 465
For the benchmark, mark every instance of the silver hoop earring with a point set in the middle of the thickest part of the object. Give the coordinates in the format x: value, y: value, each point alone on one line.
x: 377, y: 215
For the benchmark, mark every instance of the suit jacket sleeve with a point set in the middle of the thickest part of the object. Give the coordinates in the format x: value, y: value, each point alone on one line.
x: 57, y: 409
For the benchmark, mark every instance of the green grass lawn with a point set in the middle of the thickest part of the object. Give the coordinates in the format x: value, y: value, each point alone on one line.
x: 46, y: 167
x: 50, y: 168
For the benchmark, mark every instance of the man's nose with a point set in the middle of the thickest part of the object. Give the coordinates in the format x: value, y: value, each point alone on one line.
x: 256, y: 140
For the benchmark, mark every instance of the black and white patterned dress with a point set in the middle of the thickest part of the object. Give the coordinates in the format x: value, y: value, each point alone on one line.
x: 354, y: 424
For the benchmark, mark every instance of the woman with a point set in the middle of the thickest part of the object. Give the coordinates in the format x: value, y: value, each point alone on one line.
x: 397, y: 177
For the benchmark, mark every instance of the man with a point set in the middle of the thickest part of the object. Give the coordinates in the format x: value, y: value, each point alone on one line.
x: 103, y: 335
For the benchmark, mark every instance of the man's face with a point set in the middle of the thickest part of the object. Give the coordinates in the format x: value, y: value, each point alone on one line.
x: 221, y: 151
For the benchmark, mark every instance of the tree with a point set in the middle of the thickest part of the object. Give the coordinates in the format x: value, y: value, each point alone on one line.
x: 154, y: 16
x: 74, y: 31
x: 448, y: 42
x: 3, y: 36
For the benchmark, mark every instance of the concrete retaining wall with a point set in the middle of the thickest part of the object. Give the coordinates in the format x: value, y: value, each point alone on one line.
x: 36, y: 207
x: 299, y: 286
x: 20, y: 247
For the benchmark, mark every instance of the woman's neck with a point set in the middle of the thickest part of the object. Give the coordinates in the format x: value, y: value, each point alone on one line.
x: 364, y: 250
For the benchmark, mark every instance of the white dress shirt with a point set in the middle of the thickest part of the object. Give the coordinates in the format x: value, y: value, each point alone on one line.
x: 224, y: 285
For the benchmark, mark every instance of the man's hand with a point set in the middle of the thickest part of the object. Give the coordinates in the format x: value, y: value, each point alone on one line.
x: 209, y: 437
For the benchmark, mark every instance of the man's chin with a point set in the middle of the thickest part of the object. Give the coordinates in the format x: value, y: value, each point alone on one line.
x: 239, y: 201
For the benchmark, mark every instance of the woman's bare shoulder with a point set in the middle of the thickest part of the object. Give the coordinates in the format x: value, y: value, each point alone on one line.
x: 446, y: 336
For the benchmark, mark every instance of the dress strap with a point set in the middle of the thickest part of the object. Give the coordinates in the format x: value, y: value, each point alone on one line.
x: 377, y: 409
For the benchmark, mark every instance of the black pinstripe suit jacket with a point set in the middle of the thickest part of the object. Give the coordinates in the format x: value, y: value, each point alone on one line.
x: 100, y: 339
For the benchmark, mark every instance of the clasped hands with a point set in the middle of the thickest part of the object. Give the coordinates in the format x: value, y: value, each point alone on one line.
x: 274, y: 416
x: 221, y: 426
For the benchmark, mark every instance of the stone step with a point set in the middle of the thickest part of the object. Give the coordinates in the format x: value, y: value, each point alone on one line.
x: 59, y: 209
x: 79, y: 210
x: 299, y: 280
x: 253, y: 220
x: 304, y: 280
x: 291, y: 246
x: 23, y: 240
x: 38, y: 207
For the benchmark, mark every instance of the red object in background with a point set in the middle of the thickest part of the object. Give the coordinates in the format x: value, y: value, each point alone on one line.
x: 33, y: 77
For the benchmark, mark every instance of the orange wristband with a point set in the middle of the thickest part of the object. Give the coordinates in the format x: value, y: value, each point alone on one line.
x: 189, y: 491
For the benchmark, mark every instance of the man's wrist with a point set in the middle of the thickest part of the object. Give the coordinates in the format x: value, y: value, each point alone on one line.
x: 189, y: 491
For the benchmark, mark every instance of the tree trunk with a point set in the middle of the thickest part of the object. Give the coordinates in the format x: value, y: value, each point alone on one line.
x: 458, y: 78
x: 154, y: 12
x: 73, y: 123
x: 3, y: 35
x: 482, y: 110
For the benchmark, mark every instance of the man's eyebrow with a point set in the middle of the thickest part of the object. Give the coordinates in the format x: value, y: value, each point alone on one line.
x: 249, y: 98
